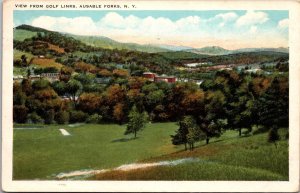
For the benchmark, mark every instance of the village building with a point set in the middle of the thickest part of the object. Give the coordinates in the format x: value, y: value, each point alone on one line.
x: 51, y: 76
x: 34, y: 77
x: 149, y: 75
x: 18, y: 78
x: 163, y: 78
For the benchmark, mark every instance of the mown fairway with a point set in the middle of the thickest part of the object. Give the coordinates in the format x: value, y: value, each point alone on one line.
x: 42, y: 153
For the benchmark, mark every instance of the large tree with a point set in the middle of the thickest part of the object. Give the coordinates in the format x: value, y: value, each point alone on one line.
x: 187, y: 133
x: 137, y: 121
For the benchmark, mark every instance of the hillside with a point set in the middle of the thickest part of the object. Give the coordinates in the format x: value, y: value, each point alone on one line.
x: 210, y: 50
x: 66, y: 49
x: 107, y: 43
x: 26, y: 31
x: 216, y: 50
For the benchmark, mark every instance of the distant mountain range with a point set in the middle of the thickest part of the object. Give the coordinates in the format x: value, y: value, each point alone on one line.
x: 216, y: 50
x: 26, y: 31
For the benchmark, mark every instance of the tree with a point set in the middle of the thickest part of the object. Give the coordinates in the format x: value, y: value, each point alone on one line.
x: 136, y: 122
x: 119, y: 112
x: 187, y: 133
x: 49, y: 116
x: 84, y: 67
x: 24, y: 60
x: 274, y: 104
x: 273, y: 135
x: 73, y: 88
x: 89, y: 102
x: 62, y: 117
x: 59, y: 87
x: 20, y: 113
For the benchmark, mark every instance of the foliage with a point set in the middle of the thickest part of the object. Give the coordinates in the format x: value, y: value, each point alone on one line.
x: 137, y: 121
x: 273, y: 135
x: 78, y: 117
x: 94, y: 118
x: 187, y: 133
x: 49, y: 116
x: 35, y: 118
x: 62, y: 117
x: 20, y: 113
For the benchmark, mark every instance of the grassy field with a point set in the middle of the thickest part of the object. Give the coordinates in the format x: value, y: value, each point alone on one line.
x: 18, y: 54
x: 46, y: 62
x: 41, y: 153
x: 228, y: 158
x: 21, y: 35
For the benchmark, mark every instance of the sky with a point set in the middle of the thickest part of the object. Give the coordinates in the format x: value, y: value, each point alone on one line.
x: 230, y: 29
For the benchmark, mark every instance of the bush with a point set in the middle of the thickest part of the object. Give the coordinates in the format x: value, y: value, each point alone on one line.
x: 78, y: 116
x: 49, y: 116
x: 273, y: 136
x: 62, y: 117
x: 20, y: 113
x: 35, y: 118
x: 95, y: 118
x: 40, y: 84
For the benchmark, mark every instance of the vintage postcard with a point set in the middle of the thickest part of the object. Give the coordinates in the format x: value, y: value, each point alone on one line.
x: 177, y: 96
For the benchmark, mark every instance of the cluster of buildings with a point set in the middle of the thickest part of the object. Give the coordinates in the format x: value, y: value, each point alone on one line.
x: 169, y: 79
x: 156, y: 78
x: 49, y: 76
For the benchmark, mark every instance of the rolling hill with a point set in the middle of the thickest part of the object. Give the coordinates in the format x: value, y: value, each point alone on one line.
x: 216, y: 50
x: 107, y: 43
x: 26, y: 31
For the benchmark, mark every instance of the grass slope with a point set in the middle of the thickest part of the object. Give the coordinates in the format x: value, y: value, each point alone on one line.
x: 40, y: 153
x: 21, y: 34
x: 227, y: 158
x: 46, y: 62
x: 18, y: 54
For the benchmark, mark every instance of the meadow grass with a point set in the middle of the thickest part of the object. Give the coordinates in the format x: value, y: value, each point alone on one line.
x: 21, y: 35
x: 42, y: 153
x: 229, y: 157
x: 46, y: 62
x: 18, y: 54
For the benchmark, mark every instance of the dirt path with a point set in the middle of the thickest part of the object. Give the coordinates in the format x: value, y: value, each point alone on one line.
x: 126, y: 167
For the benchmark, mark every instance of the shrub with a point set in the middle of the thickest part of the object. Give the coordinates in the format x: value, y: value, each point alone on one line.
x: 49, y: 116
x: 95, y: 118
x: 20, y: 113
x: 41, y: 84
x: 35, y: 118
x: 62, y: 117
x: 77, y: 116
x: 273, y: 136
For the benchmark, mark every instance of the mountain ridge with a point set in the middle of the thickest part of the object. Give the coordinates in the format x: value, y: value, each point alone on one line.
x: 108, y: 43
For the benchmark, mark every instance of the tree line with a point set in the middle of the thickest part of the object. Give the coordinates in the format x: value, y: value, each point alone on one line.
x: 229, y: 101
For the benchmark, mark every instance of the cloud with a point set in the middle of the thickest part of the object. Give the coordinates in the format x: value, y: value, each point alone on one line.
x: 191, y: 30
x: 227, y: 16
x: 283, y: 24
x: 253, y: 29
x: 113, y: 23
x: 77, y: 25
x: 252, y: 18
